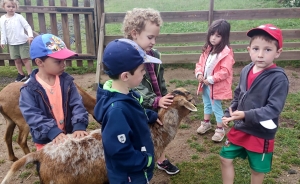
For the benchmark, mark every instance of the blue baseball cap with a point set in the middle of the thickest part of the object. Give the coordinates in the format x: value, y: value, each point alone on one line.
x: 49, y: 45
x: 124, y: 55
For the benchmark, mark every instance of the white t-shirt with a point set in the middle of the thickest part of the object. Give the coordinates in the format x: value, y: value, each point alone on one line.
x: 12, y: 30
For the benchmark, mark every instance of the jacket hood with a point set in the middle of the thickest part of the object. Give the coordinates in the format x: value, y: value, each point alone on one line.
x: 106, y: 96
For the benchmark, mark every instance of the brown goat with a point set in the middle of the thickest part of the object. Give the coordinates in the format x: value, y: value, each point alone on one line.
x: 81, y: 161
x: 9, y: 108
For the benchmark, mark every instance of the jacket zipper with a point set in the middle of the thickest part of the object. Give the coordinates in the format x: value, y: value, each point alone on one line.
x: 48, y: 105
x: 66, y: 111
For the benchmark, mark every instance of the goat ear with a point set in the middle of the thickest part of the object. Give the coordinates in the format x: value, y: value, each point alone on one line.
x: 187, y: 104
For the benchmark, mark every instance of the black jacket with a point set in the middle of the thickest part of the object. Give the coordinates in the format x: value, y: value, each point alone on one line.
x: 263, y: 101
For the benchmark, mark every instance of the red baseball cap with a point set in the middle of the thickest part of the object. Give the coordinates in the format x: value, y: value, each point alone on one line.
x: 272, y: 30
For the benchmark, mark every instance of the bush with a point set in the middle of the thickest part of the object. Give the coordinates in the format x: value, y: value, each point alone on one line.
x: 291, y: 3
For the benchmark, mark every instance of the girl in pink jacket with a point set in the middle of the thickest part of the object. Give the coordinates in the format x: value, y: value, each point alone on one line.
x: 214, y: 72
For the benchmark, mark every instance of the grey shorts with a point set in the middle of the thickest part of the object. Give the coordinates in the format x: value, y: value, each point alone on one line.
x: 19, y: 51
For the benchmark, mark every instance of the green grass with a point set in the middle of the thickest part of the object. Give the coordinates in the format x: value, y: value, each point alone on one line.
x: 204, y: 166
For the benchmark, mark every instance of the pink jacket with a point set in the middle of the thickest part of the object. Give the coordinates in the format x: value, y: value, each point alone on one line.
x: 222, y: 74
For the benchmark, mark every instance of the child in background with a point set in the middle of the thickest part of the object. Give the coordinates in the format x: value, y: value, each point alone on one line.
x: 12, y: 33
x: 49, y: 100
x: 142, y: 26
x: 258, y: 101
x: 214, y: 72
x: 126, y: 137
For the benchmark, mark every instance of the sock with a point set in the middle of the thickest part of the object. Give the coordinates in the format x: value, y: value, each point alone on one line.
x: 206, y: 121
x: 221, y: 128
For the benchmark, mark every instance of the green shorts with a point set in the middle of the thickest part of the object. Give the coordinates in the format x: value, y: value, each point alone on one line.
x: 259, y: 162
x: 19, y: 51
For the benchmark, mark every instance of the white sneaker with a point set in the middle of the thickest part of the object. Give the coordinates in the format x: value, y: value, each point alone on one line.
x: 204, y: 127
x: 219, y: 135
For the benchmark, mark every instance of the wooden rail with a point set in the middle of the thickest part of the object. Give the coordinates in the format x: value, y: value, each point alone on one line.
x: 74, y: 23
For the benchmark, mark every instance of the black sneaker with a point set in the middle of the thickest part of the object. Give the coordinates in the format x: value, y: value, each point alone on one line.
x: 168, y: 167
x: 20, y: 78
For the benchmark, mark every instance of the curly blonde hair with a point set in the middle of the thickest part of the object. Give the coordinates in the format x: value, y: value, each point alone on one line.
x: 137, y: 19
x: 16, y: 2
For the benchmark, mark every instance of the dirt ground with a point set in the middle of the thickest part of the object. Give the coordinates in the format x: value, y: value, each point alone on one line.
x: 177, y: 151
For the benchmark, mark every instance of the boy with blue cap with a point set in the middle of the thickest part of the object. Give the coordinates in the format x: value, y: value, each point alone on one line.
x: 49, y: 100
x: 126, y: 137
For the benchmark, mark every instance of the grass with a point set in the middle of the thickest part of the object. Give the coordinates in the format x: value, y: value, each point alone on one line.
x: 204, y: 165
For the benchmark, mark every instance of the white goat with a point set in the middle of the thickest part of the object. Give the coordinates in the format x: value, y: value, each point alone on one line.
x: 81, y: 161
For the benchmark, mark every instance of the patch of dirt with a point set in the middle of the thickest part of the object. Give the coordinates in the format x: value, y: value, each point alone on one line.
x: 177, y: 151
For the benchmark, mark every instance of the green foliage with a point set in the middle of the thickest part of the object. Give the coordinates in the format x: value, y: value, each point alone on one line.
x: 179, y: 83
x: 15, y: 137
x: 291, y: 3
x: 24, y: 174
x: 93, y: 125
x: 184, y: 126
x: 2, y: 161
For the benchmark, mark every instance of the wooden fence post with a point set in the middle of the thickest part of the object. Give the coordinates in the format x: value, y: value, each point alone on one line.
x: 211, y: 12
x: 99, y: 9
x: 100, y: 52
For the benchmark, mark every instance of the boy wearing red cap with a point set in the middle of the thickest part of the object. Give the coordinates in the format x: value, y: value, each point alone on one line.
x: 258, y: 101
x: 49, y: 100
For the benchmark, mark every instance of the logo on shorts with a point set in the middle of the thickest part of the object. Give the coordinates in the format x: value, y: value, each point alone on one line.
x: 122, y: 138
x: 227, y: 143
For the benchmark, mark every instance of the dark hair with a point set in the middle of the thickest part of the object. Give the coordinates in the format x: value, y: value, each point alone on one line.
x: 43, y: 58
x: 115, y: 77
x: 222, y: 27
x: 265, y: 36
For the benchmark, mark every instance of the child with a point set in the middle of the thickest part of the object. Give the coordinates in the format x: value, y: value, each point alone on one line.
x: 214, y: 73
x: 49, y: 100
x: 258, y: 100
x: 126, y: 137
x: 142, y: 26
x: 12, y: 33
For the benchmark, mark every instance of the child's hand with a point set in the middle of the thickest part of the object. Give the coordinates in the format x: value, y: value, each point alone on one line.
x: 206, y: 82
x: 29, y: 40
x: 165, y: 101
x: 2, y: 46
x: 236, y: 115
x: 225, y: 121
x: 79, y: 134
x: 200, y: 78
x: 159, y: 122
x: 60, y: 138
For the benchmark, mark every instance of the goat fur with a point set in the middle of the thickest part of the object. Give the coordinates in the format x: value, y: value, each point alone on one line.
x: 81, y: 161
x: 9, y: 108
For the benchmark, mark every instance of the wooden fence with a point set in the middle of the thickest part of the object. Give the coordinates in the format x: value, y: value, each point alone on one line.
x: 190, y: 16
x: 76, y: 24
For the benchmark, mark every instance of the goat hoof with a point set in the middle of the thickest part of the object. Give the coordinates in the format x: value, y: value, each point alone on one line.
x: 13, y: 159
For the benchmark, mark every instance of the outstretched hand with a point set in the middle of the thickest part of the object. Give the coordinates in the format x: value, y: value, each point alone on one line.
x: 165, y: 101
x: 79, y: 134
x: 60, y: 138
x: 158, y: 121
x: 236, y: 115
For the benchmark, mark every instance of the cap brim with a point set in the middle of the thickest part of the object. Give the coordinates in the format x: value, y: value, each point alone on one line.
x: 150, y: 59
x: 255, y: 30
x: 63, y: 54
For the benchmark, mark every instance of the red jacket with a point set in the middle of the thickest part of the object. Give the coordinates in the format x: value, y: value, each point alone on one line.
x: 222, y: 74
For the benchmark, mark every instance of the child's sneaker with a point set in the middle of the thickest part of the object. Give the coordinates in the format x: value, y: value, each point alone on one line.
x: 168, y: 167
x: 219, y: 135
x: 20, y: 78
x: 204, y: 127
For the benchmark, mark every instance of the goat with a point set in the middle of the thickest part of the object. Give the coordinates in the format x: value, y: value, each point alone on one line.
x: 9, y: 108
x: 81, y: 161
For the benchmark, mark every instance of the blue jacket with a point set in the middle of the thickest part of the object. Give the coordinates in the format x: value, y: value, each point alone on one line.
x: 36, y: 109
x: 263, y: 101
x: 125, y: 131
